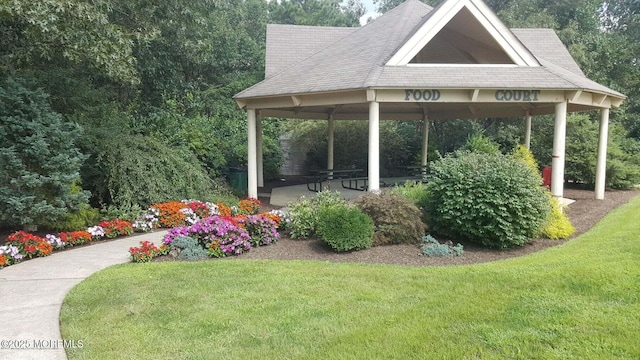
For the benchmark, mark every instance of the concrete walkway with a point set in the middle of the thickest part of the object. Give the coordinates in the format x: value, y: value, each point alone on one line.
x: 31, y: 294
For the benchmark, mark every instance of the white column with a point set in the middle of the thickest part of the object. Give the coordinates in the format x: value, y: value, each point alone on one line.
x: 374, y: 146
x: 527, y: 132
x: 425, y: 141
x: 331, y: 128
x: 252, y: 181
x: 260, y: 159
x: 557, y: 162
x: 601, y: 166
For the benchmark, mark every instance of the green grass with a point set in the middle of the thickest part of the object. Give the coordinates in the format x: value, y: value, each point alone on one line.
x: 580, y: 300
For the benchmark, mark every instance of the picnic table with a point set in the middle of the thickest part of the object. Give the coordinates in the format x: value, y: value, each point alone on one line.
x: 317, y: 178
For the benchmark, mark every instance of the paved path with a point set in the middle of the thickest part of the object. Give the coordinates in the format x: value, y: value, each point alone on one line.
x: 31, y: 294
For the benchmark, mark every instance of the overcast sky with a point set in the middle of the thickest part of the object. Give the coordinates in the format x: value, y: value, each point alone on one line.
x: 368, y: 4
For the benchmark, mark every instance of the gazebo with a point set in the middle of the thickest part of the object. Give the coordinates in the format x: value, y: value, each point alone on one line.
x: 416, y: 62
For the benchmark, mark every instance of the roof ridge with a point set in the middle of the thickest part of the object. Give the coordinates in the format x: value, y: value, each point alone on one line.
x: 375, y: 71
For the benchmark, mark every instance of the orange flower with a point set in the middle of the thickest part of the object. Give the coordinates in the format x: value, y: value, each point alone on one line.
x: 274, y: 217
x: 249, y: 206
x: 170, y: 214
x: 4, y: 260
x: 223, y: 209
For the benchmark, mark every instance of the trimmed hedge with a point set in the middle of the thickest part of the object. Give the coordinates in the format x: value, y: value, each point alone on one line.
x: 345, y: 228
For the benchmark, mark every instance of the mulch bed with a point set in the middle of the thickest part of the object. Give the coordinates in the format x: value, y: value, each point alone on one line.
x: 584, y: 214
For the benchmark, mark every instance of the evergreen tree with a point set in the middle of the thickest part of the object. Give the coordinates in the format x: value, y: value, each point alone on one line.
x: 39, y: 163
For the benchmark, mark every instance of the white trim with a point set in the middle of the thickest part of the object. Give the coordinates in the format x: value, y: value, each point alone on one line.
x: 462, y: 65
x: 444, y: 14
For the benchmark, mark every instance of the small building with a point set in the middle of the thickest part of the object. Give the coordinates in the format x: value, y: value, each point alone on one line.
x: 416, y: 62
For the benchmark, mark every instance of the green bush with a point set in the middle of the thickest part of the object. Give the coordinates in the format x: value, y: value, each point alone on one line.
x: 305, y: 214
x: 433, y: 248
x: 77, y: 220
x: 479, y: 142
x: 142, y: 170
x: 492, y: 199
x: 345, y: 228
x: 129, y: 213
x: 416, y: 192
x: 558, y: 225
x: 395, y: 218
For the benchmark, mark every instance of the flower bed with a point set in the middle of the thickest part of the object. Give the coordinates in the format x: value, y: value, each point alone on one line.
x: 221, y: 230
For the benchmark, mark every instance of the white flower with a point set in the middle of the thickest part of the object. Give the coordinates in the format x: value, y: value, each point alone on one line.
x: 96, y: 231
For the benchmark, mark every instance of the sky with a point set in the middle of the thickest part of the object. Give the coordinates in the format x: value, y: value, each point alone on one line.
x: 368, y: 4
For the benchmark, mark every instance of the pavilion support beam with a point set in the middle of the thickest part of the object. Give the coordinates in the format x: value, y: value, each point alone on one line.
x: 527, y: 131
x: 331, y: 130
x: 252, y: 181
x: 559, y: 141
x: 259, y: 148
x: 374, y: 146
x: 601, y: 166
x: 425, y: 142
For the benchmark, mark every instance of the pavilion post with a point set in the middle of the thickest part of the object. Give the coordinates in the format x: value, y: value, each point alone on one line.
x: 260, y: 159
x: 559, y: 139
x: 374, y: 146
x: 252, y: 181
x: 425, y: 142
x: 331, y: 128
x: 601, y: 166
x: 527, y: 132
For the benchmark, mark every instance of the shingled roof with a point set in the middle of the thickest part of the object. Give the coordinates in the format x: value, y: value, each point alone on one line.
x: 306, y: 60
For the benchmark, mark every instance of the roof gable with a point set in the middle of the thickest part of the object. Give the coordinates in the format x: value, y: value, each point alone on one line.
x: 463, y: 32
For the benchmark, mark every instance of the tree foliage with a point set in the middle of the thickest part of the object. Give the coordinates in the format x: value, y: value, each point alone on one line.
x: 39, y: 162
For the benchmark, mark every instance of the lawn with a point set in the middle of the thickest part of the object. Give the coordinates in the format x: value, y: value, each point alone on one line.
x: 580, y: 300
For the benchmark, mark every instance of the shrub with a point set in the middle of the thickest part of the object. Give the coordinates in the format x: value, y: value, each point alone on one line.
x: 189, y: 247
x: 304, y: 215
x: 395, y: 218
x: 193, y: 253
x: 491, y: 199
x: 132, y: 169
x: 345, y: 228
x: 123, y: 212
x: 433, y: 248
x: 304, y: 219
x: 478, y: 142
x: 184, y: 242
x: 76, y: 220
x: 558, y: 225
x: 416, y: 192
x: 524, y: 155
